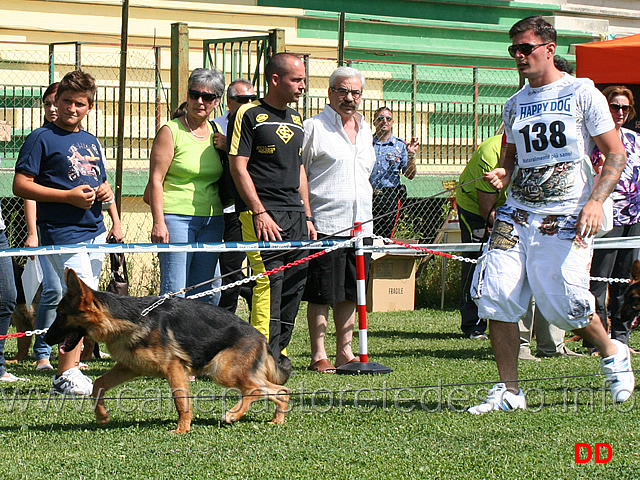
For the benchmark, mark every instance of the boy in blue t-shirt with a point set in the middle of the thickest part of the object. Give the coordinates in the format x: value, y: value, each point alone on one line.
x: 62, y: 168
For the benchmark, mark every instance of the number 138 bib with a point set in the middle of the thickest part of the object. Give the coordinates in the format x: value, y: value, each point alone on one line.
x: 545, y: 130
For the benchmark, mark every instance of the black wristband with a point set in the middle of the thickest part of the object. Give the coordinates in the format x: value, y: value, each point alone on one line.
x: 311, y: 219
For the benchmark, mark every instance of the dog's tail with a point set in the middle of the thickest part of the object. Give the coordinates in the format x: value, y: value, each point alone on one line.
x: 276, y: 373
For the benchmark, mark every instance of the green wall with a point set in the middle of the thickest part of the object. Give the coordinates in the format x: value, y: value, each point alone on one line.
x: 462, y: 32
x: 487, y: 11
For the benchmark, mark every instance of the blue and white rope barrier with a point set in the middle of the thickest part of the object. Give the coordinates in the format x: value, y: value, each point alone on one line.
x: 611, y: 243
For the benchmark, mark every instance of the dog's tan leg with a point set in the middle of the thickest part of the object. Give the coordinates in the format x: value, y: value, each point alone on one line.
x: 230, y: 369
x: 87, y: 351
x: 280, y: 396
x: 117, y: 375
x: 249, y: 395
x: 23, y: 319
x: 276, y: 393
x: 24, y: 343
x: 178, y: 381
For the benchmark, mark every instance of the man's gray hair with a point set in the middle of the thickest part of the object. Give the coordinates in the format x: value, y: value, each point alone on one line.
x: 345, y: 72
x: 231, y: 89
x: 210, y: 78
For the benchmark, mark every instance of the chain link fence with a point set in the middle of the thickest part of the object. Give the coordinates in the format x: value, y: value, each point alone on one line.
x: 25, y: 72
x: 449, y: 109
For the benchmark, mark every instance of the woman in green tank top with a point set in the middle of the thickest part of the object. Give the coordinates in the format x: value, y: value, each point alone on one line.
x: 183, y: 193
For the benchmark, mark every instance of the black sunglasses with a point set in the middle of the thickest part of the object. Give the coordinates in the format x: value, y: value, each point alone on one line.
x: 243, y: 98
x: 381, y: 118
x: 524, y: 48
x: 206, y: 96
x: 617, y: 106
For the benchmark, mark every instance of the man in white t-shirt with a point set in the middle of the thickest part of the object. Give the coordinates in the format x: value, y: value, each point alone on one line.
x: 542, y: 240
x: 338, y: 157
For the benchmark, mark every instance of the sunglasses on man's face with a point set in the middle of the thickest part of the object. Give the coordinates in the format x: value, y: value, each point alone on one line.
x: 382, y: 118
x: 524, y: 48
x: 206, y: 96
x: 616, y: 106
x: 343, y: 92
x: 243, y: 98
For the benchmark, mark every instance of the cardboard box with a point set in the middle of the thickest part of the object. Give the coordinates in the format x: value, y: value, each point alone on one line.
x: 392, y: 282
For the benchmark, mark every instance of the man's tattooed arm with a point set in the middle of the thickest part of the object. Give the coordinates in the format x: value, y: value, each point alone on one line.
x: 590, y: 217
x: 611, y: 171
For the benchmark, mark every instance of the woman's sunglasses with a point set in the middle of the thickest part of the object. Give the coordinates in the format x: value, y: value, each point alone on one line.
x: 616, y: 106
x: 524, y: 48
x: 206, y: 96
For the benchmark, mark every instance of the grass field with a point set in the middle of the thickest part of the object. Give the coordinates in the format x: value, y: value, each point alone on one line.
x: 409, y: 424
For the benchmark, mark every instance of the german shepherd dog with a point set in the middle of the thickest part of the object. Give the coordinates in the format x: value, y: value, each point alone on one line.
x: 178, y: 338
x: 630, y: 310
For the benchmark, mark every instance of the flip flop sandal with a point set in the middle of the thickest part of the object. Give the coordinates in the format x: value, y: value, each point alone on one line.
x: 353, y: 360
x: 322, y: 366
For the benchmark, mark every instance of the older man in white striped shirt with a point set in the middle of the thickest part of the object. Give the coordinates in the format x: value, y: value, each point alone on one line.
x: 338, y: 156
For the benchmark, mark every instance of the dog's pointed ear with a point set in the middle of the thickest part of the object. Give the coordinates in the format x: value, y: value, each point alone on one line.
x: 74, y: 284
x: 76, y: 288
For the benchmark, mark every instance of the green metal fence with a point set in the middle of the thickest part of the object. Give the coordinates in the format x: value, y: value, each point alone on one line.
x: 243, y: 57
x: 450, y: 109
x: 25, y: 72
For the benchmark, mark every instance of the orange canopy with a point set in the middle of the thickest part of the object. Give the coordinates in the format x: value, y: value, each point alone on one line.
x: 611, y: 61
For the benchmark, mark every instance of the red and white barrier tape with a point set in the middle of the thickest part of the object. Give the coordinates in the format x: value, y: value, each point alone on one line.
x: 298, y: 262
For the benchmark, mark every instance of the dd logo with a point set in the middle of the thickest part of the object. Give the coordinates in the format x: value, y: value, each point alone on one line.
x: 598, y: 448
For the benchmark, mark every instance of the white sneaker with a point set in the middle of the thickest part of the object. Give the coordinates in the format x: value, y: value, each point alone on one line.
x: 499, y: 398
x: 10, y: 377
x: 72, y: 382
x: 479, y: 336
x: 618, y: 373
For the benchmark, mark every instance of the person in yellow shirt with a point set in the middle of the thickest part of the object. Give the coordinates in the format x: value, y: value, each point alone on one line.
x: 476, y: 209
